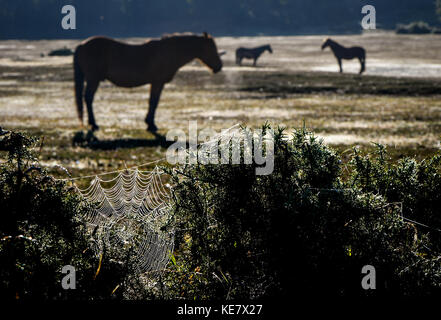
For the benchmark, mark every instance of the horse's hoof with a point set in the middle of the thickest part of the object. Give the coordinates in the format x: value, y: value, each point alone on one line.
x: 152, y: 128
x: 94, y: 127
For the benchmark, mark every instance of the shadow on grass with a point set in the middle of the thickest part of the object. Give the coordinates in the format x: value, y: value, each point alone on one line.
x: 89, y: 140
x: 280, y: 84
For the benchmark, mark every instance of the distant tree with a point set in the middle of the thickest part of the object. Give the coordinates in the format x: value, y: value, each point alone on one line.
x: 438, y: 8
x: 124, y: 18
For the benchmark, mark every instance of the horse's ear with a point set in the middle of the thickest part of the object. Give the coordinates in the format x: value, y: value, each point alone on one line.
x: 206, y: 36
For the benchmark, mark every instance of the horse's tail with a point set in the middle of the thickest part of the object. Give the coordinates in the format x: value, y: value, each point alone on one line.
x: 79, y: 85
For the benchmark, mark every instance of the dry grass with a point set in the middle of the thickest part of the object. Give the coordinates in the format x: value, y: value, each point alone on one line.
x: 287, y: 89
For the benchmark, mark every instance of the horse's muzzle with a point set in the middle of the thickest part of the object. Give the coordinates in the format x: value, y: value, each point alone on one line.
x: 216, y: 70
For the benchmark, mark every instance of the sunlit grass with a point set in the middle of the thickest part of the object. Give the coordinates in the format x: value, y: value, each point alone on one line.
x: 346, y: 110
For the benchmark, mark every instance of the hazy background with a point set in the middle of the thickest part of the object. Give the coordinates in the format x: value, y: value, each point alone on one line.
x: 396, y: 102
x: 36, y: 19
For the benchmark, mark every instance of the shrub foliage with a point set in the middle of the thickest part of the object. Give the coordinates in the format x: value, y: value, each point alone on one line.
x: 41, y: 231
x: 309, y: 228
x: 304, y: 228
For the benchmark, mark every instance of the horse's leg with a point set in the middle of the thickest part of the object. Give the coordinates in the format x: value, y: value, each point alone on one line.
x: 362, y: 63
x: 92, y: 86
x: 255, y: 61
x: 155, y: 94
x: 339, y: 64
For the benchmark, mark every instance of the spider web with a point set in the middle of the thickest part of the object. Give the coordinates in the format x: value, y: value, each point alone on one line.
x: 132, y: 211
x: 130, y: 214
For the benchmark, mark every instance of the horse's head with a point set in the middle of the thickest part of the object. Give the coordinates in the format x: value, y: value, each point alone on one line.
x: 209, y: 54
x: 270, y: 50
x: 326, y: 43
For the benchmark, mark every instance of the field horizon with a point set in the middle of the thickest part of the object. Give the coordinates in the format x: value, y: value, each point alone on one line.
x: 395, y: 103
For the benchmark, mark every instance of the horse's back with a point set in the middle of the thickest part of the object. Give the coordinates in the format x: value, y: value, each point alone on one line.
x: 245, y: 52
x: 98, y: 45
x: 351, y: 53
x: 359, y: 51
x: 121, y: 63
x: 96, y: 40
x: 105, y: 46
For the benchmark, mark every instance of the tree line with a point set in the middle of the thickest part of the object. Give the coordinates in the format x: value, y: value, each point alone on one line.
x: 35, y: 19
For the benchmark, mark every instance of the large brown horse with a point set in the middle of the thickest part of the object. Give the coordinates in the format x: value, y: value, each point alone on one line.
x: 155, y: 62
x: 341, y: 52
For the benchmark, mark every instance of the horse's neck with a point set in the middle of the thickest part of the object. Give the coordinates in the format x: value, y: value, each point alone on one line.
x: 184, y: 52
x: 262, y: 49
x: 334, y: 45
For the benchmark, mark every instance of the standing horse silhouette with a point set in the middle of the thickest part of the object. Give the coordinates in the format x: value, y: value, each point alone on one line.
x: 341, y: 52
x: 251, y: 53
x: 154, y: 62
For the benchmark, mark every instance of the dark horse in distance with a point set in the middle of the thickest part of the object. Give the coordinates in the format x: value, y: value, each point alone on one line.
x: 251, y: 53
x: 341, y: 52
x: 154, y: 62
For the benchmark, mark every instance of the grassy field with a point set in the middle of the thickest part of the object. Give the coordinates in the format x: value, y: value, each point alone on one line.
x: 397, y: 102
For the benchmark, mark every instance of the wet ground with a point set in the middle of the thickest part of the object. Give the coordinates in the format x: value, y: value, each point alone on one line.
x: 396, y: 102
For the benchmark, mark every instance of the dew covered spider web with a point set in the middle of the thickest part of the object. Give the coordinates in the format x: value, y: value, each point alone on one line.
x: 132, y: 208
x: 131, y: 211
x: 131, y: 214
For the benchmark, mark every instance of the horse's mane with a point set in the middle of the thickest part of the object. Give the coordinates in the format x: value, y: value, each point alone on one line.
x: 333, y: 42
x: 179, y: 35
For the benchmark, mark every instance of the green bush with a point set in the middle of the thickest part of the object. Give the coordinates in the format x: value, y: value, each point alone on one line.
x: 307, y: 228
x: 304, y: 229
x: 41, y: 231
x: 415, y: 186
